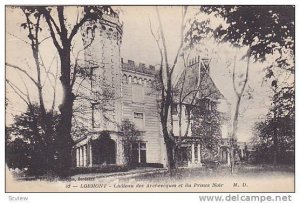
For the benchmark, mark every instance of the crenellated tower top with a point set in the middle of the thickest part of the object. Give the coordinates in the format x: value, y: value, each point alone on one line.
x: 131, y: 66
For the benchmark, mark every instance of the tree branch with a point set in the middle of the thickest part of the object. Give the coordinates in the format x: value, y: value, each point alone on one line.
x: 77, y: 57
x: 161, y: 55
x: 181, y: 40
x: 23, y: 71
x: 233, y: 76
x: 77, y: 26
x: 54, y: 89
x: 247, y: 74
x: 18, y: 38
x: 48, y: 17
x: 163, y: 43
x: 18, y: 92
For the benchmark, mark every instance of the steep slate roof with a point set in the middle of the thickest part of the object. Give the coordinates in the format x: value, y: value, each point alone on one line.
x: 189, y: 78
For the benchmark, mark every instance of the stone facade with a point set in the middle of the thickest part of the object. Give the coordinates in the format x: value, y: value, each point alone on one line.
x: 139, y: 105
x: 110, y: 90
x: 98, y: 106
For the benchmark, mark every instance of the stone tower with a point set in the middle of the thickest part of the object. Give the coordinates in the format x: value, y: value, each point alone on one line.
x: 102, y: 60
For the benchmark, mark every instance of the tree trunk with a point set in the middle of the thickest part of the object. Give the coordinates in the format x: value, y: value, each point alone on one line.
x: 234, y: 130
x: 179, y: 121
x: 231, y: 158
x: 65, y: 141
x: 170, y: 155
x: 275, y: 153
x: 179, y: 139
x: 275, y: 136
x: 170, y: 144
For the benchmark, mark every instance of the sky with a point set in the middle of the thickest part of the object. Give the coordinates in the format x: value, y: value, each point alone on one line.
x: 138, y: 45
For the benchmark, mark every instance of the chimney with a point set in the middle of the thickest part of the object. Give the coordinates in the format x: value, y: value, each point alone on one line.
x: 152, y: 69
x: 131, y: 63
x: 141, y: 65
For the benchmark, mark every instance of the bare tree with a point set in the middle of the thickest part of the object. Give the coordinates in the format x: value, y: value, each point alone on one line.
x: 32, y: 25
x: 166, y: 74
x: 239, y: 89
x: 62, y: 38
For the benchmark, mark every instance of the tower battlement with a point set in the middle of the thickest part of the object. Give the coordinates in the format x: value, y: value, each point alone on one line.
x: 112, y: 17
x: 109, y: 15
x: 108, y: 27
x: 140, y: 68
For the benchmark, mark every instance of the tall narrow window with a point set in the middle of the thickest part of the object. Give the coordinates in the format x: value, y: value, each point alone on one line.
x: 92, y: 77
x: 138, y: 119
x: 142, y: 153
x: 212, y: 106
x: 187, y: 110
x: 139, y: 153
x: 95, y: 116
x: 207, y: 104
x: 174, y: 110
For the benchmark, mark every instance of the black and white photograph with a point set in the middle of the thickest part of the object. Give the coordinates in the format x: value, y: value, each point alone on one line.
x: 156, y: 98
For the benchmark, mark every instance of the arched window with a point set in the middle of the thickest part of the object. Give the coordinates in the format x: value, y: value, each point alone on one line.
x: 124, y: 79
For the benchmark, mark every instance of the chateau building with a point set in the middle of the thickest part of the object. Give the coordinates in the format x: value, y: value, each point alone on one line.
x: 113, y: 90
x: 201, y: 119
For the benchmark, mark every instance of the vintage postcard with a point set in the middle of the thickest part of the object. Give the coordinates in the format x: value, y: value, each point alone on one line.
x: 150, y: 98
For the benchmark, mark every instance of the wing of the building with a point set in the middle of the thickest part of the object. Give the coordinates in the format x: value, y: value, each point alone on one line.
x: 197, y: 121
